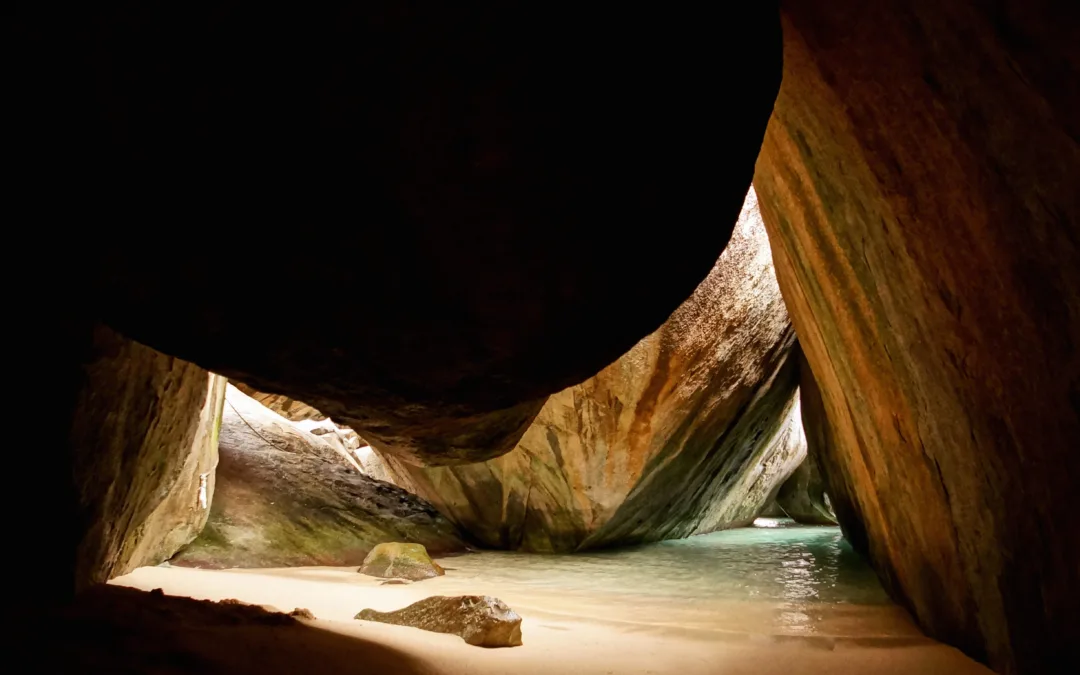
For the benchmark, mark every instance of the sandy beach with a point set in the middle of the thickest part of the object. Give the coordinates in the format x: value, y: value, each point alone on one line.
x: 566, y: 628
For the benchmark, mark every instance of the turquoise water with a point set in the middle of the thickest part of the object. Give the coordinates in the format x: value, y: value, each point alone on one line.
x: 782, y: 563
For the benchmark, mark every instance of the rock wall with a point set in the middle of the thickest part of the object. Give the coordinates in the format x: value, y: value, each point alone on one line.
x: 919, y: 182
x: 760, y: 475
x: 290, y: 409
x: 802, y: 496
x: 772, y: 510
x: 144, y: 430
x: 181, y: 515
x: 285, y: 497
x: 306, y: 418
x: 492, y: 182
x: 823, y: 445
x: 681, y: 435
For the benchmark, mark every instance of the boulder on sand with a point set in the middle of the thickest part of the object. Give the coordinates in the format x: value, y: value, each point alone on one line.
x: 395, y: 560
x: 480, y: 620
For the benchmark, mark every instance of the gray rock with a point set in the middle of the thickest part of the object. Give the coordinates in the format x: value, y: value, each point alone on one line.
x: 802, y: 496
x: 286, y: 498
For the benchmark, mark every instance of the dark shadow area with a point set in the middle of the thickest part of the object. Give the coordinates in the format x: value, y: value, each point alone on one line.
x: 110, y: 629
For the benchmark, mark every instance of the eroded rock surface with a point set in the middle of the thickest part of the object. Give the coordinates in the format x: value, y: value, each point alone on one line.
x: 372, y: 463
x: 480, y: 620
x: 396, y: 560
x: 772, y: 510
x: 290, y: 409
x: 306, y: 418
x: 285, y: 497
x: 919, y: 181
x: 145, y: 440
x: 681, y: 435
x: 802, y: 496
x: 490, y: 178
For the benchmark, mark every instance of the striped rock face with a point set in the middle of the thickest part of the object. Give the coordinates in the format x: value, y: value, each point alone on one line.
x: 686, y: 433
x: 919, y: 182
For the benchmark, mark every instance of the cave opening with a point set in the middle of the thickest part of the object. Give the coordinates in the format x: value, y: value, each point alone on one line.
x: 667, y: 515
x: 474, y: 297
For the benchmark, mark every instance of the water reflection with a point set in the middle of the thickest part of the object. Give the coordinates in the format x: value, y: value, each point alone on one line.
x: 785, y: 563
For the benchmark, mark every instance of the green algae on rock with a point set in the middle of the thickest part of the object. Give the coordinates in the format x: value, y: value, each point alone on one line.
x: 480, y: 620
x: 395, y: 560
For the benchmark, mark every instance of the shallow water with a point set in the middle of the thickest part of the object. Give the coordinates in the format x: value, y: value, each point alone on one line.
x: 778, y: 561
x: 784, y: 600
x: 778, y: 583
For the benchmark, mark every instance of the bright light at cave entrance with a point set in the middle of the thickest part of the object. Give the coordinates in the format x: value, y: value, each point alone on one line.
x: 766, y: 522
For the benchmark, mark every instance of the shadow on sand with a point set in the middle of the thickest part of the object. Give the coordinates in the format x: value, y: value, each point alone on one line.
x: 112, y: 629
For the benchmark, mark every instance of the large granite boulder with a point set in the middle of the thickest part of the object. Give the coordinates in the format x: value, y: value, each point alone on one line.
x: 802, y: 496
x: 676, y: 437
x: 762, y: 473
x: 307, y: 418
x: 372, y: 463
x: 285, y: 497
x: 919, y: 181
x: 454, y: 183
x: 145, y: 435
x: 290, y: 409
x: 772, y: 510
x: 185, y: 508
x: 480, y: 620
x: 397, y: 560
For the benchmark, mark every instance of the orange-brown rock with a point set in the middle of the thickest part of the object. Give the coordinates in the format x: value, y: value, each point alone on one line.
x: 145, y: 437
x: 919, y: 181
x: 686, y: 433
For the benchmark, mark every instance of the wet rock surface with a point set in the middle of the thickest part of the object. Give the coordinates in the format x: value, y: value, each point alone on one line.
x: 480, y: 620
x: 677, y: 437
x: 284, y: 497
x: 395, y: 560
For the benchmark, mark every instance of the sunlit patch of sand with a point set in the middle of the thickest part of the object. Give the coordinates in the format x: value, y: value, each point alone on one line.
x: 575, y: 630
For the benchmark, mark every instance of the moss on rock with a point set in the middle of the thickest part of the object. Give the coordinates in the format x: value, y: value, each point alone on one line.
x: 396, y: 560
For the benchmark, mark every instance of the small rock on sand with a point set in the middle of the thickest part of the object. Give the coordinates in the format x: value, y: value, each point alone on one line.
x: 480, y: 620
